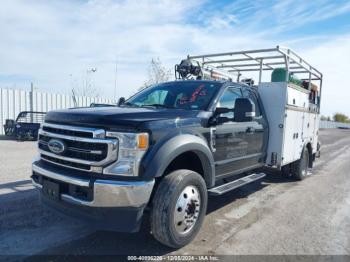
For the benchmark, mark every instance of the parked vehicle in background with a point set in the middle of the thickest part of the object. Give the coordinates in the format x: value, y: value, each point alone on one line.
x: 26, y: 125
x: 170, y: 145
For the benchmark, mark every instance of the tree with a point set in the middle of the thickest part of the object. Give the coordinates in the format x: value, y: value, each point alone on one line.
x: 157, y: 73
x: 339, y: 117
x: 87, y: 85
x: 325, y: 118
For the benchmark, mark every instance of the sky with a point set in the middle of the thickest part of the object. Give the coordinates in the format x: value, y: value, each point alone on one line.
x: 56, y: 43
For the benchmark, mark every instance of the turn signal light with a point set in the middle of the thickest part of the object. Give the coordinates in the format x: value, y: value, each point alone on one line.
x: 142, y: 141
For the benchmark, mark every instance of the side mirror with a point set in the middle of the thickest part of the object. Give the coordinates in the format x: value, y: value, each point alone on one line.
x: 121, y: 101
x: 244, y: 110
x: 221, y: 119
x: 221, y: 110
x: 217, y: 119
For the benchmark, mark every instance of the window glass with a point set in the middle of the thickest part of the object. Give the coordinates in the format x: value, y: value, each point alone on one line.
x: 228, y: 99
x: 254, y: 99
x: 156, y: 97
x: 190, y: 95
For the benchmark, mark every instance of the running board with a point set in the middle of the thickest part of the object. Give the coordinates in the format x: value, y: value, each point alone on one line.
x: 219, y: 190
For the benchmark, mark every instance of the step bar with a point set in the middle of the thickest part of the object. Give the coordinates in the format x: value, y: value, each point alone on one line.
x: 222, y: 189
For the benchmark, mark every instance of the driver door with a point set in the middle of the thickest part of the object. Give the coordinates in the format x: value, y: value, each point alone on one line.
x: 231, y: 140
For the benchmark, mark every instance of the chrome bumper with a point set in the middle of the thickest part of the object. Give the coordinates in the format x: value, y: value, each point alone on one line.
x: 106, y: 193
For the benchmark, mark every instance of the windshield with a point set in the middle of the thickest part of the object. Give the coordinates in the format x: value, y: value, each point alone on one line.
x: 179, y: 95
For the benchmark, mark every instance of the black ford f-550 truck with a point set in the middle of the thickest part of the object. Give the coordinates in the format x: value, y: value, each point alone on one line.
x: 114, y: 162
x: 165, y: 149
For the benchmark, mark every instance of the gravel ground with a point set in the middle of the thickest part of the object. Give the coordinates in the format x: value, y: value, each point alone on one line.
x: 275, y: 216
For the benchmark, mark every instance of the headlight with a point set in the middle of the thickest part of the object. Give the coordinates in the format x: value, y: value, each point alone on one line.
x: 132, y: 147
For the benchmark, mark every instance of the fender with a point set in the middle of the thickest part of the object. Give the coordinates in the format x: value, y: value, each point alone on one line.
x: 157, y: 162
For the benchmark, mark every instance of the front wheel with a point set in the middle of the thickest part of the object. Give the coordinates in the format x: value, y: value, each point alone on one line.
x: 179, y: 207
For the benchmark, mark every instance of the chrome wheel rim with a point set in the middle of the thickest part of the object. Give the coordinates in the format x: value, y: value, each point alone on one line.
x: 187, y: 210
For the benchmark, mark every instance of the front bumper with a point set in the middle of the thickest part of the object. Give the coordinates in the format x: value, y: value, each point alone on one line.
x: 119, y: 197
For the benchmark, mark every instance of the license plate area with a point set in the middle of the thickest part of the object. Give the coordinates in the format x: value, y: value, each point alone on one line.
x: 51, y: 190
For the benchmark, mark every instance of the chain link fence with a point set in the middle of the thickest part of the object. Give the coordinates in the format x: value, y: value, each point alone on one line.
x: 332, y: 124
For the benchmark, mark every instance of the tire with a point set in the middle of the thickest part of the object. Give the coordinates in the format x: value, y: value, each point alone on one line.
x: 177, y: 196
x: 286, y: 171
x: 300, y: 167
x: 7, y: 132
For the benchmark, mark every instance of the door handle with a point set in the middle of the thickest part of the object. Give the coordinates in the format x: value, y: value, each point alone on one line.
x: 250, y: 130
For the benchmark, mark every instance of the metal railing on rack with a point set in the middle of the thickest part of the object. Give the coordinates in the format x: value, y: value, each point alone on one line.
x: 260, y: 60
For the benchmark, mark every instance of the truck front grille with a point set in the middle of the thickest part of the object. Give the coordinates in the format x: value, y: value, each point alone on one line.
x: 77, y: 149
x: 65, y: 163
x: 83, y: 148
x: 66, y: 132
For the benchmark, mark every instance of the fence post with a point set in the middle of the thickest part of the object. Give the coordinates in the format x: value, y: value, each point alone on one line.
x: 31, y: 97
x: 31, y: 100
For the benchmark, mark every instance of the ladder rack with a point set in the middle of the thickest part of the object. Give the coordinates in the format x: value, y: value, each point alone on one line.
x: 259, y: 60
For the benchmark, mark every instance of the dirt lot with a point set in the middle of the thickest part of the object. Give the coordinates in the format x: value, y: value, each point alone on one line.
x: 274, y: 216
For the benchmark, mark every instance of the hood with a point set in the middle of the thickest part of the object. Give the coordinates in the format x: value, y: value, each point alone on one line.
x: 109, y: 117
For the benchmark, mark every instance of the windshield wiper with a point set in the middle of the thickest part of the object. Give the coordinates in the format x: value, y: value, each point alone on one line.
x: 129, y: 104
x: 158, y: 105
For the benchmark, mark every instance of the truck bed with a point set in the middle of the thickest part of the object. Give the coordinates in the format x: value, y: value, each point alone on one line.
x: 293, y: 121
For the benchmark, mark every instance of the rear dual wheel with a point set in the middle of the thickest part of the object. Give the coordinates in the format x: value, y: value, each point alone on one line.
x: 300, y: 168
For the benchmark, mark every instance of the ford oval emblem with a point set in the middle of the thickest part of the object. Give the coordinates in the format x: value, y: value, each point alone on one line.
x: 56, y: 146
